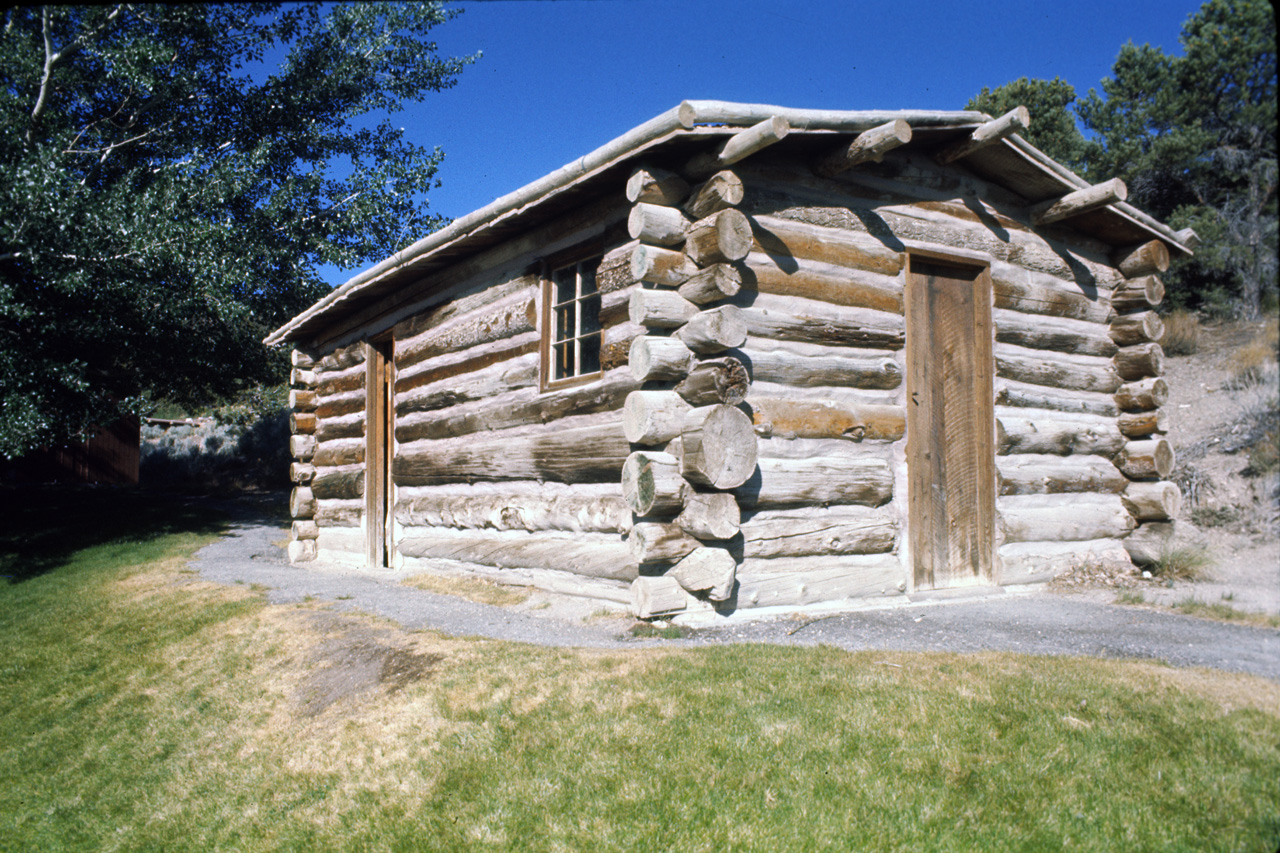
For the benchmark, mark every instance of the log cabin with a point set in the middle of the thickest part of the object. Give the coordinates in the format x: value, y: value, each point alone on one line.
x: 747, y: 356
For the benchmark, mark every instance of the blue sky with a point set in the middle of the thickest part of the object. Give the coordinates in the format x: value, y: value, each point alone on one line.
x: 561, y: 77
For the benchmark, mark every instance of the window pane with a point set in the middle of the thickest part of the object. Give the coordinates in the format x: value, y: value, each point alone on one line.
x: 564, y: 285
x: 590, y: 354
x: 564, y: 323
x: 587, y: 271
x: 562, y: 356
x: 590, y: 307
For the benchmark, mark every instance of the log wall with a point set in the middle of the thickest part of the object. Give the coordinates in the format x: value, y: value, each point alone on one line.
x: 744, y: 445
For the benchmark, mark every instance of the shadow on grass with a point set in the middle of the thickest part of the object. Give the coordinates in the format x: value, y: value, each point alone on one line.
x: 41, y: 527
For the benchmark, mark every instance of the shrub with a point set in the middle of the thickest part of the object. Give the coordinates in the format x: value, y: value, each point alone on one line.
x: 1182, y: 563
x: 1181, y: 333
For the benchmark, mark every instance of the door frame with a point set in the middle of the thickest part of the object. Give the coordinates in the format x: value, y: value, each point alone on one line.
x: 923, y: 376
x: 379, y: 488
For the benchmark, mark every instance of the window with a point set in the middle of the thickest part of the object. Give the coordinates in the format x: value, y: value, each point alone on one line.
x: 571, y: 323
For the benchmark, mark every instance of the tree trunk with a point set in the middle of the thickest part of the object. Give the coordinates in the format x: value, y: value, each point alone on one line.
x: 301, y: 472
x: 302, y: 447
x: 302, y: 400
x: 1150, y: 542
x: 339, y: 482
x: 839, y: 368
x: 1056, y: 369
x: 1143, y: 259
x: 867, y: 147
x: 819, y: 531
x: 302, y: 503
x: 1023, y: 395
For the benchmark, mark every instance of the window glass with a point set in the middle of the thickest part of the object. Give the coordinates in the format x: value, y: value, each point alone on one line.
x: 574, y: 333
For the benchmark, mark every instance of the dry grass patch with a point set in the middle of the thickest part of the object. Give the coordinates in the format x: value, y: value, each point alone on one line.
x: 473, y: 589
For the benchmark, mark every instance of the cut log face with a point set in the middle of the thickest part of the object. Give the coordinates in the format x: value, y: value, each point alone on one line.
x: 302, y: 447
x: 302, y: 550
x: 301, y: 472
x: 651, y: 483
x: 710, y: 515
x: 1143, y: 395
x: 1138, y: 294
x: 1143, y: 259
x: 1149, y: 459
x: 657, y: 596
x: 658, y: 542
x: 722, y: 190
x: 716, y: 282
x: 653, y: 417
x: 653, y: 358
x: 656, y: 186
x: 716, y: 330
x: 720, y: 380
x: 775, y: 417
x: 298, y: 358
x: 303, y: 378
x: 302, y: 400
x: 706, y: 570
x: 304, y: 529
x: 344, y: 482
x: 1158, y: 501
x: 657, y: 225
x: 1143, y: 424
x: 302, y: 503
x: 722, y: 237
x: 719, y: 447
x: 302, y: 423
x: 1141, y: 328
x: 741, y: 145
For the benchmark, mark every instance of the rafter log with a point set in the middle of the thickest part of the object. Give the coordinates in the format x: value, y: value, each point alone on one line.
x: 867, y: 147
x: 741, y: 145
x: 1016, y: 120
x: 1080, y: 202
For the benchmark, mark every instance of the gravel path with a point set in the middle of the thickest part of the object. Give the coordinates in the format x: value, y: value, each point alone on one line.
x: 1040, y: 623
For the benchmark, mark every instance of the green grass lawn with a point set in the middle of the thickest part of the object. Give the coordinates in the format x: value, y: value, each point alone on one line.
x: 143, y: 709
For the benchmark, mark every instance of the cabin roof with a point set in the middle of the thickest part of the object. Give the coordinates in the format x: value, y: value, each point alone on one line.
x: 1013, y: 163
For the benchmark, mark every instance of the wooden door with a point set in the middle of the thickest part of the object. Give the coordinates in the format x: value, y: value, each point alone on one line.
x: 951, y: 479
x: 379, y: 444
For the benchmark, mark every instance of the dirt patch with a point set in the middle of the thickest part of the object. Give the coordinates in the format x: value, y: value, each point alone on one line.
x: 354, y: 659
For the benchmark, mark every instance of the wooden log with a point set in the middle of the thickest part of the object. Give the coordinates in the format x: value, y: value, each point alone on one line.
x: 714, y: 330
x: 651, y: 483
x: 340, y: 483
x: 792, y: 582
x: 722, y: 190
x: 1143, y: 395
x: 1142, y: 259
x: 1143, y: 424
x: 301, y: 472
x: 820, y: 366
x: 342, y: 404
x: 657, y: 225
x: 303, y: 378
x: 774, y: 417
x: 870, y: 146
x: 1010, y: 392
x: 304, y: 529
x: 302, y: 447
x: 658, y: 542
x: 718, y: 447
x: 530, y: 507
x: 661, y: 266
x: 1148, y: 501
x: 709, y: 571
x: 656, y: 186
x: 1043, y: 474
x: 722, y: 237
x: 1188, y: 237
x: 717, y: 380
x: 487, y: 323
x: 1130, y: 329
x: 652, y: 597
x: 660, y: 309
x: 340, y: 513
x: 343, y: 544
x: 1038, y: 562
x: 1017, y: 120
x: 343, y: 357
x: 783, y: 275
x: 591, y: 555
x: 655, y: 359
x: 589, y: 454
x: 1056, y: 369
x: 811, y: 321
x: 302, y: 551
x: 298, y: 358
x: 653, y: 417
x: 1079, y: 202
x: 1063, y: 518
x: 1049, y: 432
x: 836, y: 247
x: 741, y: 145
x: 819, y: 531
x: 1150, y: 542
x: 347, y: 426
x: 709, y: 515
x: 302, y: 423
x: 1053, y: 333
x: 817, y: 480
x: 1138, y: 294
x: 346, y: 452
x: 302, y: 400
x: 1139, y: 362
x: 1019, y: 289
x: 302, y: 503
x: 1151, y: 458
x: 716, y: 282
